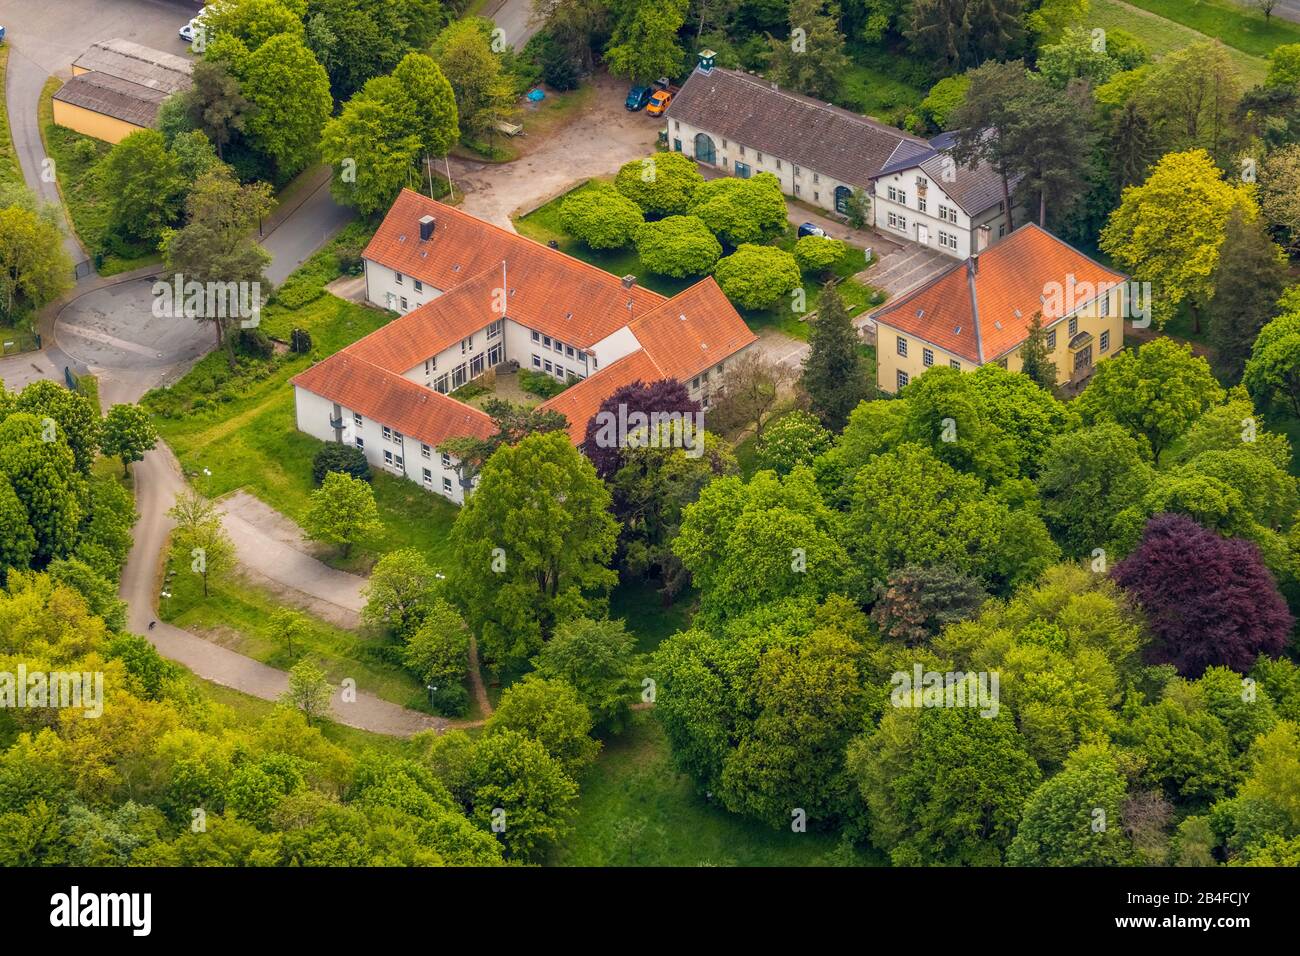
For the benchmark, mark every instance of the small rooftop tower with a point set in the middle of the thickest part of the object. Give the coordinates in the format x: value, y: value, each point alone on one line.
x: 706, y: 60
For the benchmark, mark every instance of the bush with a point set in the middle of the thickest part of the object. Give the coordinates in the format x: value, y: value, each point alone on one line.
x: 754, y: 277
x: 255, y: 343
x: 818, y: 253
x: 300, y: 341
x: 539, y: 383
x: 600, y: 216
x: 678, y: 246
x: 342, y: 458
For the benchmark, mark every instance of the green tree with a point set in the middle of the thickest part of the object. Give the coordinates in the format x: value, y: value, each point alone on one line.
x: 255, y: 21
x: 216, y: 245
x: 742, y: 210
x: 521, y: 793
x: 1035, y: 360
x: 794, y: 439
x: 662, y: 185
x: 342, y: 511
x: 484, y: 96
x: 818, y: 254
x: 1062, y: 825
x: 43, y: 476
x: 1169, y: 230
x: 142, y: 178
x: 199, y: 540
x: 596, y: 659
x: 400, y: 591
x: 755, y: 277
x: 292, y: 94
x: 643, y: 46
x: 372, y: 146
x: 34, y: 267
x: 1190, y: 96
x: 1273, y: 370
x: 551, y: 713
x: 835, y: 375
x: 812, y: 60
x: 437, y: 652
x: 958, y: 33
x: 288, y: 624
x: 128, y: 434
x: 1284, y: 65
x: 308, y: 691
x: 943, y: 785
x: 17, y: 540
x: 1247, y: 280
x: 531, y: 546
x: 600, y: 216
x: 216, y: 105
x: 677, y: 246
x: 75, y: 417
x: 1155, y: 392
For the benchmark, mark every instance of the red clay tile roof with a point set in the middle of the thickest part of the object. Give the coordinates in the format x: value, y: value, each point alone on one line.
x: 692, y: 331
x: 554, y: 293
x: 580, y: 401
x: 982, y: 314
x: 407, y: 341
x: 395, y: 401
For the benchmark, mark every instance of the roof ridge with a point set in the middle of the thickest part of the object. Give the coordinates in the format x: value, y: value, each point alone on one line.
x: 513, y: 236
x: 770, y: 86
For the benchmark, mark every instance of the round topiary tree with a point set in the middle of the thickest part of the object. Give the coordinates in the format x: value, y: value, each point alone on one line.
x: 754, y: 277
x: 678, y: 246
x: 818, y: 254
x: 342, y: 458
x: 1209, y: 600
x: 662, y: 185
x: 600, y: 216
x: 742, y: 210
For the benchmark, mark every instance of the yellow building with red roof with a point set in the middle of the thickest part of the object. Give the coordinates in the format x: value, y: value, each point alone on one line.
x: 979, y: 312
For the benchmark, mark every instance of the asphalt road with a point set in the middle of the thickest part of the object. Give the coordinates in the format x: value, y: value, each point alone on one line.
x: 513, y: 17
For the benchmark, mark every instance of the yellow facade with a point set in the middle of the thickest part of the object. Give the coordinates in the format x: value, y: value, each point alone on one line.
x: 1093, y: 324
x: 89, y: 123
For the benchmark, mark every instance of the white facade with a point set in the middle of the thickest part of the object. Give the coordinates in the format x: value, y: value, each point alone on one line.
x: 909, y: 204
x: 387, y: 450
x: 391, y: 290
x: 810, y: 185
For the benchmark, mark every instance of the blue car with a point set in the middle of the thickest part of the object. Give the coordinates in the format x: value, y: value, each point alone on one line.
x: 638, y: 97
x: 811, y: 229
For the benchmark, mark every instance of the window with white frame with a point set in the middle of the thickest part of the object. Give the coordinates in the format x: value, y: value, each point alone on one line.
x: 537, y: 336
x: 1105, y: 305
x: 494, y: 329
x: 898, y: 222
x: 953, y: 363
x: 356, y: 419
x: 446, y: 485
x: 419, y: 286
x: 425, y: 451
x: 388, y: 458
x: 1105, y: 341
x: 388, y: 433
x: 446, y: 460
x: 397, y: 277
x: 537, y: 361
x: 361, y: 443
x: 927, y: 357
x: 428, y: 478
x: 947, y: 240
x: 901, y: 346
x: 902, y: 378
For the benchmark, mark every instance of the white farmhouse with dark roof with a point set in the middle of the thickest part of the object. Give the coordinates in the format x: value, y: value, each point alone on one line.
x: 743, y: 124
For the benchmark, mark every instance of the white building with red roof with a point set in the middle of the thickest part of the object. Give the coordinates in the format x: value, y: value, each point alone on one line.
x: 471, y: 296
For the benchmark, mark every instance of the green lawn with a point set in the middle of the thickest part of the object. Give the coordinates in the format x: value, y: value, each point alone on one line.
x: 1234, y: 23
x: 1165, y: 35
x: 636, y: 810
x: 75, y: 157
x: 543, y: 225
x: 10, y: 171
x: 237, y: 614
x: 239, y: 709
x: 639, y: 605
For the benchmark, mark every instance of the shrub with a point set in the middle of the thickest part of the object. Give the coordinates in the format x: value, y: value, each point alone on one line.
x: 539, y: 383
x: 343, y: 458
x: 677, y: 246
x: 255, y: 343
x: 756, y: 276
x: 600, y: 216
x: 818, y: 253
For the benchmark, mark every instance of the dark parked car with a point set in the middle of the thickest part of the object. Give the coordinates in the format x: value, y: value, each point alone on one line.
x: 638, y: 97
x: 811, y: 229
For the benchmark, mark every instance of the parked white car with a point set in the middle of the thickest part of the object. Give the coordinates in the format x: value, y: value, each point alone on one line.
x: 190, y: 30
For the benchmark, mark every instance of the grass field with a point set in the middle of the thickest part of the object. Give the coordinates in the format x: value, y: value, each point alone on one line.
x: 237, y: 614
x: 10, y: 172
x: 638, y: 603
x: 1236, y: 25
x: 636, y: 810
x: 1163, y: 35
x: 543, y: 225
